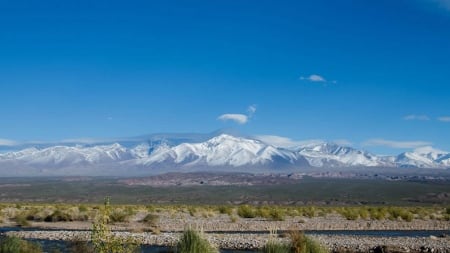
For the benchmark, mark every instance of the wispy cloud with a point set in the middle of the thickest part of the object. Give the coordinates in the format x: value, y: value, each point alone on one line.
x: 444, y: 118
x: 315, y: 78
x: 251, y: 110
x: 285, y: 142
x: 277, y: 141
x: 8, y: 143
x: 238, y: 118
x: 396, y: 144
x: 416, y: 117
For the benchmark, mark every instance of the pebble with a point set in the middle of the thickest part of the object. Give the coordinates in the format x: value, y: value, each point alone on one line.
x: 336, y: 243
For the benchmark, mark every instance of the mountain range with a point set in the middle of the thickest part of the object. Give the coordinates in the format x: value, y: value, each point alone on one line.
x: 159, y: 153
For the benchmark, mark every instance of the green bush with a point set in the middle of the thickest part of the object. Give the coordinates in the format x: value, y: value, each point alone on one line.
x: 192, y: 211
x: 82, y: 208
x: 349, y: 213
x: 104, y: 241
x: 246, y: 211
x: 118, y: 216
x: 303, y: 244
x: 21, y: 220
x: 309, y: 211
x: 192, y: 242
x: 58, y: 216
x: 276, y: 214
x: 379, y: 213
x: 276, y: 247
x: 17, y: 245
x: 225, y: 210
x: 151, y: 219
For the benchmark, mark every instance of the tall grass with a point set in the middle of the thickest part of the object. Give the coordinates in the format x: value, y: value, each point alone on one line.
x: 17, y: 245
x: 298, y: 243
x: 276, y: 247
x: 192, y: 241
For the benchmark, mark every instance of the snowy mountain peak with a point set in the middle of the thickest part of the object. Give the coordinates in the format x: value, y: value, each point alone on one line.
x: 430, y: 152
x: 222, y: 151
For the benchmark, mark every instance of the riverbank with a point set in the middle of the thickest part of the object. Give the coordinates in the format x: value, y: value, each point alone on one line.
x: 247, y: 241
x: 232, y: 232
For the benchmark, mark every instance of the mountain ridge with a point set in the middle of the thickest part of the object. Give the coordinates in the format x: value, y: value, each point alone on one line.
x: 222, y: 152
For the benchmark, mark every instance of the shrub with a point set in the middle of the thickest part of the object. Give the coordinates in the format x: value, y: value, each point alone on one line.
x: 314, y: 247
x: 407, y: 216
x: 192, y: 242
x: 303, y: 244
x: 225, y: 210
x: 275, y: 247
x: 58, y: 216
x: 363, y: 213
x: 118, y: 216
x: 17, y: 245
x: 82, y: 208
x: 309, y: 212
x: 246, y: 211
x: 151, y: 219
x: 192, y: 210
x: 104, y: 241
x: 349, y: 213
x: 276, y: 214
x: 379, y: 213
x: 21, y: 220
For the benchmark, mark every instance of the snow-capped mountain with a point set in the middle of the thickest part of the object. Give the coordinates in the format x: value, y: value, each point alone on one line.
x: 69, y: 156
x: 424, y: 157
x: 223, y: 150
x: 220, y: 152
x: 332, y: 155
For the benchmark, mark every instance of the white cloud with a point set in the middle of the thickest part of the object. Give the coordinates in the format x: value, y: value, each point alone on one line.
x: 285, y: 142
x: 251, y: 110
x: 396, y: 144
x: 444, y: 118
x: 8, y: 143
x: 277, y: 141
x: 416, y: 117
x: 314, y: 78
x: 238, y: 118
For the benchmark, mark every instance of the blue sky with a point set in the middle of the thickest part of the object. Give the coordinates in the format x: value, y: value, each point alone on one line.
x: 373, y: 74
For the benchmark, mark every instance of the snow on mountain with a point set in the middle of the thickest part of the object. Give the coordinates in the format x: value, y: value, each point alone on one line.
x: 424, y: 157
x: 332, y: 155
x: 69, y: 156
x: 222, y: 150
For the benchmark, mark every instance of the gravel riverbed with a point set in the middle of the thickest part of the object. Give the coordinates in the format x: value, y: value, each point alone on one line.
x: 336, y: 243
x: 238, y: 234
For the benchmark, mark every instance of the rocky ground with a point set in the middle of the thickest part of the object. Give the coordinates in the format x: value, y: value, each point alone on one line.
x: 224, y: 232
x: 175, y: 222
x: 336, y: 243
